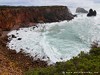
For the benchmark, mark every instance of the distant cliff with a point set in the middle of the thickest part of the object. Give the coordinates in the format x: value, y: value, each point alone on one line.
x: 13, y: 17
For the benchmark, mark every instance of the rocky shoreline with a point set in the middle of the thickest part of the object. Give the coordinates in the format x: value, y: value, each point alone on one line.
x: 13, y: 63
x: 11, y: 18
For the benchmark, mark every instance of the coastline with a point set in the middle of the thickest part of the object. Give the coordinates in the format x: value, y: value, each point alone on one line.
x: 16, y: 63
x: 12, y: 18
x: 21, y: 16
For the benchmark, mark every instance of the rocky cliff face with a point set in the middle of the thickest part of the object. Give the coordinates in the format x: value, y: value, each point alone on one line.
x: 14, y: 17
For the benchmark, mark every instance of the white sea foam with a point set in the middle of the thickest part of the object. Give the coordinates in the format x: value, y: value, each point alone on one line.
x: 59, y: 41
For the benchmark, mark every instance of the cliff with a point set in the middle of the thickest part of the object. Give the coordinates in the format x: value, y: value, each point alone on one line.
x: 15, y: 17
x: 12, y: 17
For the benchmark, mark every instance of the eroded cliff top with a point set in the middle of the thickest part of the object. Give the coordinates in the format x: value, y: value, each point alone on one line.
x: 22, y: 16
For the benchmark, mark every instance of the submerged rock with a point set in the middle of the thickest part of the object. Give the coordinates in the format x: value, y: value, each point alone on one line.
x: 92, y: 13
x: 81, y: 10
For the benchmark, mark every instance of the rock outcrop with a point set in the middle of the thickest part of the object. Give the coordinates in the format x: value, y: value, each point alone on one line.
x: 81, y: 10
x: 92, y: 13
x: 12, y: 17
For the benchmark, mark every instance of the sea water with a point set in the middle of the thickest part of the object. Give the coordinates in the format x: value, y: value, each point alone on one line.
x: 59, y: 41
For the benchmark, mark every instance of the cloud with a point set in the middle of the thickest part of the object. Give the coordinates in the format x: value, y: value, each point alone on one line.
x: 70, y: 3
x: 14, y: 2
x: 97, y: 1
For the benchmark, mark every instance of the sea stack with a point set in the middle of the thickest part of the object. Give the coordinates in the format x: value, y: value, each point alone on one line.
x: 81, y: 10
x: 92, y: 13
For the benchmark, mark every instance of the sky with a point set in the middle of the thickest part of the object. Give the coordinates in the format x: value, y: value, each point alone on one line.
x: 69, y: 3
x: 48, y: 2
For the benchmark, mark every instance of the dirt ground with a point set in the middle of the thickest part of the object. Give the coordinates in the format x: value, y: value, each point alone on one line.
x: 12, y: 63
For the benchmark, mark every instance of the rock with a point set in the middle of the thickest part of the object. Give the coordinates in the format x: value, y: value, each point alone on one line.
x: 19, y: 38
x: 20, y: 16
x: 92, y: 13
x: 81, y: 10
x: 75, y: 15
x: 13, y: 36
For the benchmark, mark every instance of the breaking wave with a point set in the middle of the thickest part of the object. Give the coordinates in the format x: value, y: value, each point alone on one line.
x: 59, y: 41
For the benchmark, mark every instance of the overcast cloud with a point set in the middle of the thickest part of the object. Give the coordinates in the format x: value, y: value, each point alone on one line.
x: 69, y: 3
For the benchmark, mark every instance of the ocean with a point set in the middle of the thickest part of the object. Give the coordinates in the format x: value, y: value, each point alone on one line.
x: 58, y: 41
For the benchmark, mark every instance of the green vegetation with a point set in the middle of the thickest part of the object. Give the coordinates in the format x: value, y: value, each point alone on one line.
x: 83, y: 64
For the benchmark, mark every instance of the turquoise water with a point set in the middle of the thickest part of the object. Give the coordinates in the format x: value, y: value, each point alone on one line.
x: 58, y: 41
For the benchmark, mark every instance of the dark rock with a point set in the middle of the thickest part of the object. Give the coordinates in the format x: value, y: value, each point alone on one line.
x: 19, y: 38
x: 13, y: 36
x: 17, y: 33
x: 75, y: 15
x: 92, y: 13
x: 81, y: 10
x: 33, y: 27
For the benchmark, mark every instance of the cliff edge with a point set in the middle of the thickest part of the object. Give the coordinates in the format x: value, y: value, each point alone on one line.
x: 21, y: 16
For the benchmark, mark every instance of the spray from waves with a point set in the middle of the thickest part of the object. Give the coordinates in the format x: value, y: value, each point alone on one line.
x: 58, y: 41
